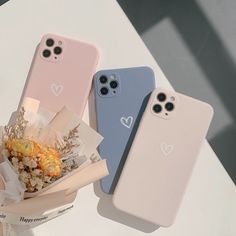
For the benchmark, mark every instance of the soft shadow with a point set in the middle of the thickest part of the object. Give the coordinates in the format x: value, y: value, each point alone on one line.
x: 13, y: 117
x: 23, y: 230
x: 209, y: 53
x: 106, y: 209
x: 219, y: 68
x: 3, y: 1
x: 92, y: 109
x: 223, y: 144
x: 143, y: 14
x: 129, y: 144
x: 28, y: 77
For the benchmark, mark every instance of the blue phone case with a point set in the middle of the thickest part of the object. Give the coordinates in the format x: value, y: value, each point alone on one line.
x: 118, y: 112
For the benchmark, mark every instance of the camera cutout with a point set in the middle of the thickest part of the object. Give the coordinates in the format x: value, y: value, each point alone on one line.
x: 46, y: 53
x: 108, y: 85
x: 113, y: 84
x: 104, y: 90
x: 157, y: 108
x: 52, y: 49
x: 103, y: 79
x: 164, y: 104
x: 57, y: 50
x: 49, y: 42
x: 161, y: 97
x: 169, y: 106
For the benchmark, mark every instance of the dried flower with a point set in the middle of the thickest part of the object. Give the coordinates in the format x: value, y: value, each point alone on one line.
x: 94, y: 157
x: 69, y: 142
x: 24, y: 177
x: 14, y: 161
x: 17, y: 129
x: 23, y: 147
x: 31, y: 163
x: 33, y: 182
x: 39, y: 165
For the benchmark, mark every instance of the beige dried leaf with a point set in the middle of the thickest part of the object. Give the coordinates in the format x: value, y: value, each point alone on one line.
x: 69, y: 142
x: 17, y: 129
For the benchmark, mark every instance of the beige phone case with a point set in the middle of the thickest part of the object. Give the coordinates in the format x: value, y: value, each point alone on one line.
x: 162, y: 158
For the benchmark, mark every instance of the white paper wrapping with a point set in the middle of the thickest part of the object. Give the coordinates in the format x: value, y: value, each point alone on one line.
x: 12, y: 190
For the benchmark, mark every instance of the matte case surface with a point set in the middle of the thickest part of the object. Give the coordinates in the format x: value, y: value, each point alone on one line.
x: 161, y: 159
x: 65, y: 79
x: 118, y: 116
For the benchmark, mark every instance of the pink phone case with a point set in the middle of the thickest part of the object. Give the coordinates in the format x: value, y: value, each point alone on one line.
x: 162, y: 157
x: 62, y: 78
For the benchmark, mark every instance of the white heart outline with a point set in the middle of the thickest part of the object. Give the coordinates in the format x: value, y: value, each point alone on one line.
x: 166, y: 149
x: 127, y: 121
x: 56, y: 89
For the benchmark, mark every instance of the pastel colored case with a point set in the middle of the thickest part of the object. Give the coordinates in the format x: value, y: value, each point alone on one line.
x: 118, y: 114
x: 162, y: 157
x: 65, y: 78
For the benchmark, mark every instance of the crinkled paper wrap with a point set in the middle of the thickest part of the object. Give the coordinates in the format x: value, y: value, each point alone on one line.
x: 62, y: 193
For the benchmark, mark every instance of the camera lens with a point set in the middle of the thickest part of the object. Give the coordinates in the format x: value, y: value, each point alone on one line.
x: 104, y: 91
x: 46, y: 53
x: 169, y: 106
x: 103, y: 79
x: 49, y: 42
x: 157, y: 108
x: 57, y: 50
x: 114, y: 84
x: 161, y: 97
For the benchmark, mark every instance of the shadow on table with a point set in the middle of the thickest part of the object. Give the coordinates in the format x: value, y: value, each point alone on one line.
x: 3, y: 1
x: 208, y: 51
x: 223, y: 145
x: 106, y: 209
x: 23, y: 231
x: 105, y: 206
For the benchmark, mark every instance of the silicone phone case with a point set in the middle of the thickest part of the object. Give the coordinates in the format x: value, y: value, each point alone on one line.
x: 118, y: 115
x: 62, y: 79
x: 162, y: 157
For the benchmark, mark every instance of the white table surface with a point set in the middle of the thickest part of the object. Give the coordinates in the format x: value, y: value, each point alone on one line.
x: 209, y: 205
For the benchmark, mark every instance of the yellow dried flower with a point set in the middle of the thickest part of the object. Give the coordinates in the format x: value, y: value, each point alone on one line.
x: 49, y: 158
x: 23, y: 147
x: 50, y: 164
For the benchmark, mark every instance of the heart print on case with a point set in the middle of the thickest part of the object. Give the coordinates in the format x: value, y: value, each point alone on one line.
x: 166, y: 149
x: 56, y: 89
x: 127, y: 121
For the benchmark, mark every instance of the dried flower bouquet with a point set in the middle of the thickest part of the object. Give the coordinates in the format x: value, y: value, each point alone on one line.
x: 39, y: 153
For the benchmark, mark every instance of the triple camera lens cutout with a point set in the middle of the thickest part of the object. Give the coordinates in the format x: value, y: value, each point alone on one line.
x: 108, y: 84
x: 57, y: 50
x: 168, y: 106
